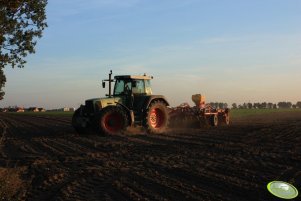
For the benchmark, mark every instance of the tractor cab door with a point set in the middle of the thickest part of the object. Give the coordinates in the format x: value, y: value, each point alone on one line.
x: 138, y: 87
x: 123, y: 89
x: 138, y: 91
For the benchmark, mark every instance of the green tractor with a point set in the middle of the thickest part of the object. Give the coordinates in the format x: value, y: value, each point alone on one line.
x: 130, y: 104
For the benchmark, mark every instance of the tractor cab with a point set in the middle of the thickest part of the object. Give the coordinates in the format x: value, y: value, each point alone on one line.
x: 129, y: 84
x: 132, y: 91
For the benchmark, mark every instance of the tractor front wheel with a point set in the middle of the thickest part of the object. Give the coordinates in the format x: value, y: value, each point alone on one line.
x: 111, y: 120
x: 156, y: 118
x: 78, y: 122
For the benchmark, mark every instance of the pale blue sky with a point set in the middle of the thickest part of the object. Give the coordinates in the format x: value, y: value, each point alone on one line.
x: 228, y: 50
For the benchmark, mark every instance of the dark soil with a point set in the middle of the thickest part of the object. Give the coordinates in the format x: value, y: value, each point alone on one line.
x: 227, y: 163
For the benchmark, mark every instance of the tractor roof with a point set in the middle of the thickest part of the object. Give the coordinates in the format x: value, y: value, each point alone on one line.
x: 136, y: 77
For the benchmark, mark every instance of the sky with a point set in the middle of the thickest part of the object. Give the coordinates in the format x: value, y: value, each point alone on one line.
x: 230, y: 51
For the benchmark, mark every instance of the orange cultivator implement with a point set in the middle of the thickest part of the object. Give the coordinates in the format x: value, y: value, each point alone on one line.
x: 198, y: 115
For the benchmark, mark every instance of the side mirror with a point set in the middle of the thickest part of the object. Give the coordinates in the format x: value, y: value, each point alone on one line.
x: 103, y: 84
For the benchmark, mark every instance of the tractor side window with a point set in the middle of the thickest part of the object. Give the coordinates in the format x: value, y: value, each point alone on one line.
x: 138, y: 87
x: 148, y: 88
x: 119, y: 87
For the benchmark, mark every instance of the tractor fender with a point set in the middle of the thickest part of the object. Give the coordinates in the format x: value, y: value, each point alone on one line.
x: 152, y: 98
x: 129, y: 113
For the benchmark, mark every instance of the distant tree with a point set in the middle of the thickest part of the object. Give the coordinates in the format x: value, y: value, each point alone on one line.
x: 216, y: 104
x: 256, y: 105
x: 21, y: 22
x: 250, y: 105
x: 294, y: 106
x: 298, y: 104
x: 270, y: 105
x: 221, y: 105
x: 284, y: 104
x: 263, y: 105
x: 274, y: 106
x: 234, y: 105
x: 281, y: 104
x: 225, y: 105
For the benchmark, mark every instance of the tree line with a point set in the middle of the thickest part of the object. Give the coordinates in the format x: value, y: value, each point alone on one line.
x: 218, y: 105
x: 267, y: 105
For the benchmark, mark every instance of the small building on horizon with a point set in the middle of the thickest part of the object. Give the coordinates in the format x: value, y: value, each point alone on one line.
x: 41, y: 109
x: 33, y: 109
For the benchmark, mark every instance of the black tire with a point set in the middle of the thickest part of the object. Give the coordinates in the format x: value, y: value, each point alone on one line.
x: 156, y: 118
x: 111, y: 120
x: 76, y: 122
x: 213, y: 120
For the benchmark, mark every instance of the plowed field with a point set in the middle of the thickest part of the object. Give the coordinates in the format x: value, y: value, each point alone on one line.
x: 42, y: 158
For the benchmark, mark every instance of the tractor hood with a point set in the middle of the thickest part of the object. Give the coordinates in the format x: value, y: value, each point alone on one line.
x: 95, y: 104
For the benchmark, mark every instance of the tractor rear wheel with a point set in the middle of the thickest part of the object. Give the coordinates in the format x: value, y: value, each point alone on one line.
x: 156, y: 118
x: 213, y: 120
x: 111, y: 120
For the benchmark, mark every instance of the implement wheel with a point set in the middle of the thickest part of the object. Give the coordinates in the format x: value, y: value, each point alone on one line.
x: 226, y: 119
x: 111, y: 120
x: 156, y: 118
x: 213, y: 120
